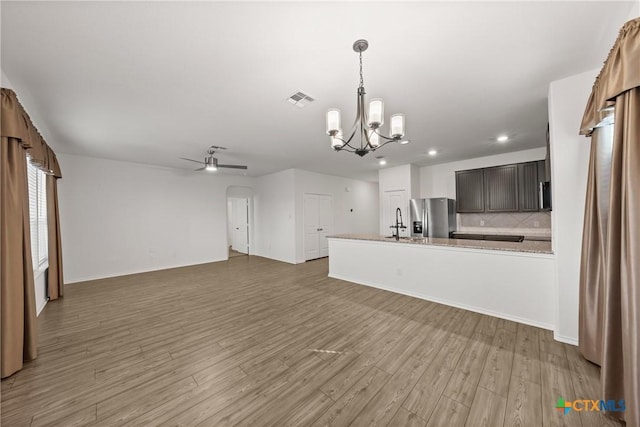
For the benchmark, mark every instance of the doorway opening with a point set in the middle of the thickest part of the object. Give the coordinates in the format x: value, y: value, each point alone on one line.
x: 239, y: 221
x: 318, y: 224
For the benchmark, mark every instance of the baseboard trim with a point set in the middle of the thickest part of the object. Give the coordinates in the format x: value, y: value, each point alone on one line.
x: 131, y: 273
x: 452, y: 304
x: 113, y: 276
x: 565, y: 340
x: 39, y: 309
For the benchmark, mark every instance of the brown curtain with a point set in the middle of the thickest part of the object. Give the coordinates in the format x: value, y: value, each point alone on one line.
x: 620, y: 73
x: 592, y: 267
x: 621, y: 318
x: 610, y: 265
x: 18, y: 332
x: 19, y: 136
x: 54, y: 279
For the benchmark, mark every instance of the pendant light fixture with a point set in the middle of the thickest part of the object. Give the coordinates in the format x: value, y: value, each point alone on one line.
x: 367, y: 125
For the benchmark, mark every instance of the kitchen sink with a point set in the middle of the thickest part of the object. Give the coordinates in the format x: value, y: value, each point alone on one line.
x: 410, y: 239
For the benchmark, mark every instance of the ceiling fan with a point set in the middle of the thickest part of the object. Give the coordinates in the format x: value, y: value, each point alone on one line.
x: 211, y: 163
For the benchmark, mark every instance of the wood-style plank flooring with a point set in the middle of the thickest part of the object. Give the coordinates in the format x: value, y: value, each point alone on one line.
x: 233, y: 254
x: 256, y: 342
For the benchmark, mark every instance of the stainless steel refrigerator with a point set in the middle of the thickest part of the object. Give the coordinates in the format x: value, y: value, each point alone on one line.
x: 434, y: 217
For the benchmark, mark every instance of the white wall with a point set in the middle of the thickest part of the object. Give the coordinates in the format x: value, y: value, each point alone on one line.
x: 635, y: 11
x: 354, y: 211
x: 274, y: 205
x: 512, y: 285
x: 440, y: 180
x: 415, y: 189
x: 229, y: 222
x: 120, y: 218
x: 4, y: 81
x: 569, y: 165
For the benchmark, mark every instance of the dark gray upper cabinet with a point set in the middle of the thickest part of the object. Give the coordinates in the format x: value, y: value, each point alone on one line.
x: 470, y: 191
x: 528, y: 186
x: 501, y: 189
x: 507, y: 188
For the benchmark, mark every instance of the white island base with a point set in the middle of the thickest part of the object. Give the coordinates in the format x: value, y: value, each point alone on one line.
x: 512, y: 285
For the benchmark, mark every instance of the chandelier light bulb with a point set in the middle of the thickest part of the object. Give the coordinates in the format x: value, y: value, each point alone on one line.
x: 336, y: 141
x: 374, y: 139
x: 397, y: 126
x: 376, y: 113
x: 333, y: 121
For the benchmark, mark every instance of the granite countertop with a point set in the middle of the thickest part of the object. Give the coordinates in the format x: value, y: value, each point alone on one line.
x: 538, y: 247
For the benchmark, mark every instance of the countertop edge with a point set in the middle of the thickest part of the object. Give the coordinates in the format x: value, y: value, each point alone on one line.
x: 459, y: 244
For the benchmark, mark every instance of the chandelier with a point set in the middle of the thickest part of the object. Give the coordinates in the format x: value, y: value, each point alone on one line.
x: 366, y: 125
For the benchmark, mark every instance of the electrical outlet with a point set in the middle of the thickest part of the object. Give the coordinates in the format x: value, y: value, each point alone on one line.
x: 536, y: 224
x: 482, y: 223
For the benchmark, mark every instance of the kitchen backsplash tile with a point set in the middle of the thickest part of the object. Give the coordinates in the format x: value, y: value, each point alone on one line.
x: 526, y: 223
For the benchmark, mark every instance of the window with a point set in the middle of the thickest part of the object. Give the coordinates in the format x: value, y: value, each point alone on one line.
x: 38, y: 215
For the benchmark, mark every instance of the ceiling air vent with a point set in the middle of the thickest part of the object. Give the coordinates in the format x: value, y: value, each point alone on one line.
x: 300, y: 99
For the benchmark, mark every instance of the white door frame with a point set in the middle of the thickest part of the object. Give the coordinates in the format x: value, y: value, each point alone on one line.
x: 241, y: 192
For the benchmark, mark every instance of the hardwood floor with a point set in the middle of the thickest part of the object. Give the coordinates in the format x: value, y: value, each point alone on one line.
x: 256, y: 342
x: 233, y: 254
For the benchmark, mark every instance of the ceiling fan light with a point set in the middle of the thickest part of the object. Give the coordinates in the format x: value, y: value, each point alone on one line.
x: 397, y: 126
x: 376, y: 113
x: 333, y: 121
x: 211, y: 164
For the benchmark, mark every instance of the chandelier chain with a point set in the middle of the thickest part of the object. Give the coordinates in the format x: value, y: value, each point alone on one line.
x: 361, y: 78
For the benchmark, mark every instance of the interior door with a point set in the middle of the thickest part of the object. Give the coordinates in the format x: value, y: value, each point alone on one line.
x: 325, y: 223
x: 391, y: 201
x: 240, y: 241
x: 311, y: 227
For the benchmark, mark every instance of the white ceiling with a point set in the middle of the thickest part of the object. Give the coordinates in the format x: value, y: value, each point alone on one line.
x: 153, y: 81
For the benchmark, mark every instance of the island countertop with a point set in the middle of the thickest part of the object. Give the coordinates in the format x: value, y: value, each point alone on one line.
x: 530, y: 246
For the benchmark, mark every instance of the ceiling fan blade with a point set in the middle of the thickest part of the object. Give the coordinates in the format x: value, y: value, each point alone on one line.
x: 218, y: 148
x: 191, y: 160
x: 200, y: 169
x: 232, y: 166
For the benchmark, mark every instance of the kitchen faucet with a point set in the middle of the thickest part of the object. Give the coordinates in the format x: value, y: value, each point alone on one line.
x: 398, y: 225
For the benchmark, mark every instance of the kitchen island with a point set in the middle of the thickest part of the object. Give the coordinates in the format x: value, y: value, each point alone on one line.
x: 510, y: 280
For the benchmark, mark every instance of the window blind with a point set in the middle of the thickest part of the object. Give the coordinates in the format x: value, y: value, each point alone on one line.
x: 38, y: 215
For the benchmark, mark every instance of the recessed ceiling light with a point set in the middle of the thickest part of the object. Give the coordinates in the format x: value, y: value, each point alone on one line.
x: 502, y: 138
x: 432, y: 152
x: 382, y: 162
x: 404, y: 141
